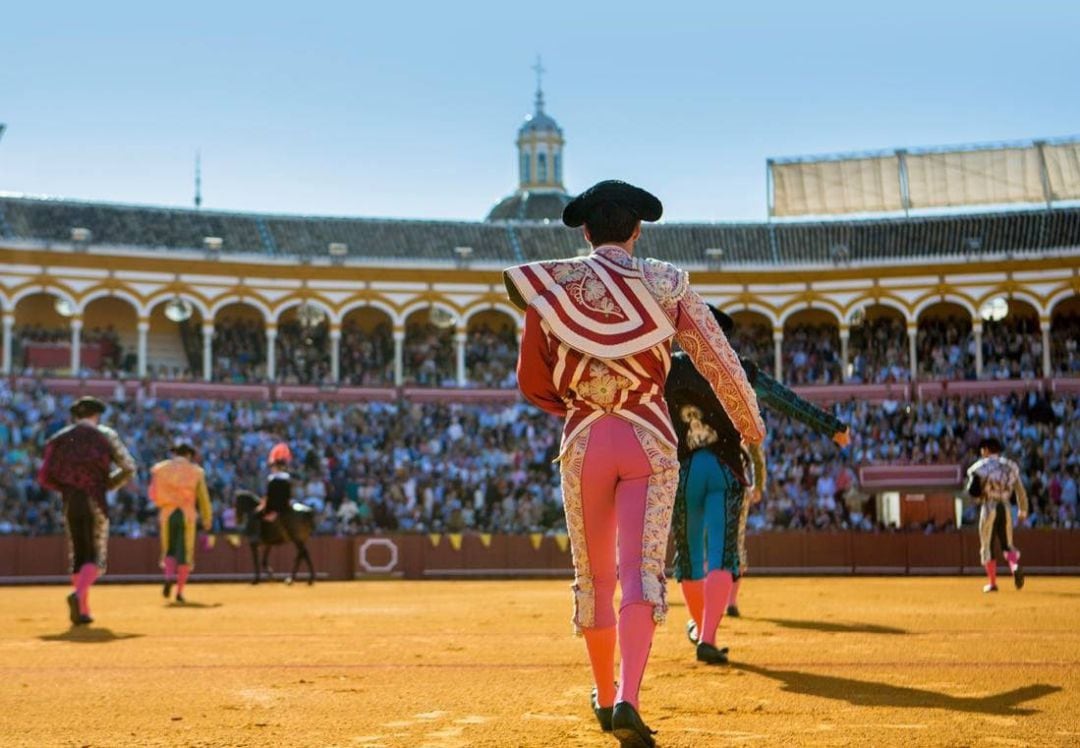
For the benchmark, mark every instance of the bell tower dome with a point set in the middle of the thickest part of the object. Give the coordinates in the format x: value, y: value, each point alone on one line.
x: 540, y: 194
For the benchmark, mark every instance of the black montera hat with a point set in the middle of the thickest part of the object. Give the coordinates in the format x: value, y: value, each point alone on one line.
x: 727, y: 324
x: 644, y: 205
x: 87, y: 406
x: 991, y: 444
x: 184, y: 449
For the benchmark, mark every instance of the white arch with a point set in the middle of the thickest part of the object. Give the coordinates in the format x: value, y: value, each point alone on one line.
x: 251, y: 301
x: 939, y: 298
x: 1035, y: 301
x: 165, y: 296
x: 424, y: 303
x: 5, y: 303
x: 118, y: 293
x: 815, y: 304
x: 57, y: 291
x: 295, y: 302
x: 885, y: 301
x: 1063, y: 295
x: 373, y: 303
x: 488, y: 306
x: 753, y: 306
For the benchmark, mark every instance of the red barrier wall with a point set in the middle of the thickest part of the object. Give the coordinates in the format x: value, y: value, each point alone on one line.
x: 474, y: 555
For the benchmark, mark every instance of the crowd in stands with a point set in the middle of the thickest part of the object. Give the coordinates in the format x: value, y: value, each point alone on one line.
x: 1064, y: 339
x: 878, y: 351
x: 239, y: 348
x: 415, y: 467
x: 754, y: 342
x: 303, y: 353
x: 367, y: 357
x: 811, y: 354
x: 114, y: 360
x: 429, y: 355
x: 491, y: 356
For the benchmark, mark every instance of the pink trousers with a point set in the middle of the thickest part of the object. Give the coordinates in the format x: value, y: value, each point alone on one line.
x: 619, y: 484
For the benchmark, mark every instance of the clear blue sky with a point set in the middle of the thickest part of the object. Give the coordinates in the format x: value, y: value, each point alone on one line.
x: 410, y: 109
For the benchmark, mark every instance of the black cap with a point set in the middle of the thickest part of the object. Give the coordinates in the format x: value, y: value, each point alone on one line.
x: 87, y: 406
x: 727, y: 324
x: 991, y: 444
x: 184, y: 449
x: 644, y: 205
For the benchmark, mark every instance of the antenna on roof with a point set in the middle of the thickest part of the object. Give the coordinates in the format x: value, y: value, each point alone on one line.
x: 198, y: 179
x: 2, y: 128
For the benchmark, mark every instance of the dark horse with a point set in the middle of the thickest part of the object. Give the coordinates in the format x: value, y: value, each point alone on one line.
x: 294, y: 525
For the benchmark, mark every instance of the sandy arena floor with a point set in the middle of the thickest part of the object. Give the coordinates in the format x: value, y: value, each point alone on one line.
x: 816, y: 662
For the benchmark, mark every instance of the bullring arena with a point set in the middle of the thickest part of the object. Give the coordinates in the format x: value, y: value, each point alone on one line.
x: 383, y: 353
x: 815, y: 661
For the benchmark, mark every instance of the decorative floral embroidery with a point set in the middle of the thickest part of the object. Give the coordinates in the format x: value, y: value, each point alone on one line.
x: 659, y: 501
x: 744, y: 513
x: 602, y: 386
x: 667, y: 283
x: 101, y: 539
x: 583, y: 285
x: 707, y: 347
x: 584, y: 593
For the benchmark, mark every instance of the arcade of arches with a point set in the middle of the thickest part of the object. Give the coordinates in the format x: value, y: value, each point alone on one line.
x: 432, y: 347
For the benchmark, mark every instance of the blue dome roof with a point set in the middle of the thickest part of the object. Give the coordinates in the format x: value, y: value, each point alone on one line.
x: 540, y: 121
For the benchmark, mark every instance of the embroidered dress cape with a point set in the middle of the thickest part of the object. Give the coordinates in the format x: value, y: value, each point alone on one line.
x: 597, y: 341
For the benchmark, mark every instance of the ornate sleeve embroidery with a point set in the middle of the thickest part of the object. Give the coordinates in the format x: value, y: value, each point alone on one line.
x: 125, y: 463
x: 704, y: 342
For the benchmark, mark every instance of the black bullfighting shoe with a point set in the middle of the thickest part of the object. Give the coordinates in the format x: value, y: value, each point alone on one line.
x: 73, y: 608
x: 603, y: 713
x: 166, y: 590
x: 626, y: 725
x: 710, y: 655
x: 733, y: 611
x: 1018, y: 577
x: 989, y: 588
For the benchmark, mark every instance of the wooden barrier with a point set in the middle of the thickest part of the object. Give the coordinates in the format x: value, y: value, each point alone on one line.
x: 492, y: 556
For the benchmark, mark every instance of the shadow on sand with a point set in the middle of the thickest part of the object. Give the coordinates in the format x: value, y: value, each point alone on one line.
x: 833, y: 628
x: 87, y: 635
x: 873, y: 694
x: 195, y: 605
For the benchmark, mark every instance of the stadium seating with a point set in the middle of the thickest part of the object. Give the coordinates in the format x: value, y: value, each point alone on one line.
x: 781, y: 243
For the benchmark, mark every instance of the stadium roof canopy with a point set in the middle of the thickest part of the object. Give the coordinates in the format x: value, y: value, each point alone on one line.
x: 1039, y: 171
x: 46, y: 222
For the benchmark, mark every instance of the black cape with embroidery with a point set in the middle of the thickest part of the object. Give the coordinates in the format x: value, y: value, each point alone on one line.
x: 685, y: 386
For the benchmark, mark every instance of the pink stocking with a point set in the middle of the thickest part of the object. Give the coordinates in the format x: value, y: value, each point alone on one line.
x: 170, y: 568
x: 1013, y: 557
x: 181, y: 578
x: 601, y: 646
x: 636, y: 628
x: 694, y: 594
x: 717, y: 592
x: 991, y: 571
x: 734, y: 598
x: 86, y: 576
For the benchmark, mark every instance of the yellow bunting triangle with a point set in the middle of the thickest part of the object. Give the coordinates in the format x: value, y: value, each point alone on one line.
x: 485, y: 538
x: 536, y: 538
x: 434, y: 537
x: 234, y: 540
x: 455, y: 540
x: 210, y: 542
x: 563, y: 541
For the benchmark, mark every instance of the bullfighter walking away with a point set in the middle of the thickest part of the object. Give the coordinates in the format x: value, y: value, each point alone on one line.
x: 78, y: 463
x: 178, y: 488
x: 596, y: 351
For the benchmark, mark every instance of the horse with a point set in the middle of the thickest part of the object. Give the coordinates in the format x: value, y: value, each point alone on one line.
x: 295, y: 525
